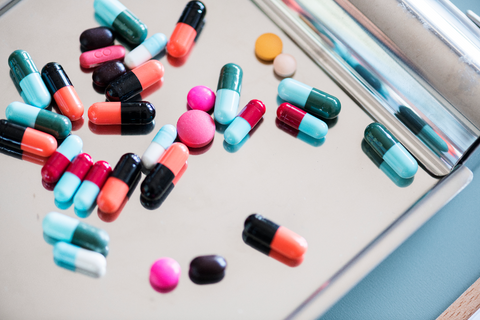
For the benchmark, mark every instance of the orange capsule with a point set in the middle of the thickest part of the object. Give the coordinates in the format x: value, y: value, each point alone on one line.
x: 106, y: 113
x: 27, y: 139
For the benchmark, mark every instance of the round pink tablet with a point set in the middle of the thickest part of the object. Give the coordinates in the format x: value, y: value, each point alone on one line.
x: 201, y: 98
x: 195, y: 128
x: 164, y: 275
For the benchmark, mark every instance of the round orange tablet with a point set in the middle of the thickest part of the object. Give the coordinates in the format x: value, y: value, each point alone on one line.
x: 268, y: 46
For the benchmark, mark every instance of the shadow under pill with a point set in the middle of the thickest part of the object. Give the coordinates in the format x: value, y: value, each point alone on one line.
x: 202, y: 150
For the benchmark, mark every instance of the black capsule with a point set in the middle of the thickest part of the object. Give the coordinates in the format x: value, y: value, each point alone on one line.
x: 156, y: 182
x: 108, y: 72
x: 207, y: 269
x: 96, y: 38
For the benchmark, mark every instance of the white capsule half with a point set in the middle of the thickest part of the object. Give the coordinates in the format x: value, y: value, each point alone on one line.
x: 146, y: 51
x: 80, y: 260
x: 162, y: 140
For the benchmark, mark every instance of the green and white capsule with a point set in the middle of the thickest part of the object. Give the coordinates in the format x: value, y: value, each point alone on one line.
x: 392, y: 151
x: 28, y: 78
x: 76, y: 259
x: 64, y: 228
x: 314, y: 101
x: 50, y: 122
x: 228, y: 93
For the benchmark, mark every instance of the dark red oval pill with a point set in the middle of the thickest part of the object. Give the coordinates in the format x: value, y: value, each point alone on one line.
x: 96, y: 38
x: 207, y: 269
x: 106, y: 73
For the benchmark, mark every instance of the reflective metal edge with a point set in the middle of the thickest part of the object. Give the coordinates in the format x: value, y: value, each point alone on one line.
x: 8, y: 5
x: 313, y: 46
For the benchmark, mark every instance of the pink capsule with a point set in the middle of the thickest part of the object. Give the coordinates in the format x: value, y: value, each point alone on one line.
x: 244, y: 122
x: 94, y: 58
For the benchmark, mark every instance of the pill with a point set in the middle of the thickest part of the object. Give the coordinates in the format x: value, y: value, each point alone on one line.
x: 72, y: 178
x: 301, y: 120
x: 22, y: 155
x: 19, y: 89
x: 268, y: 46
x: 60, y: 159
x: 118, y: 184
x: 62, y: 90
x: 244, y: 122
x: 96, y: 38
x: 146, y: 51
x: 123, y: 130
x: 207, y: 269
x: 314, y: 101
x: 252, y: 242
x: 389, y: 149
x: 195, y: 128
x: 122, y: 20
x: 76, y: 259
x: 105, y: 113
x: 284, y: 65
x: 201, y: 98
x: 162, y: 140
x: 421, y: 129
x: 155, y: 204
x: 107, y: 72
x: 47, y: 121
x: 92, y: 184
x: 27, y: 139
x: 186, y: 29
x: 158, y: 180
x: 278, y: 238
x: 164, y: 275
x: 135, y: 81
x: 228, y: 93
x: 64, y: 228
x: 95, y: 58
x: 27, y: 76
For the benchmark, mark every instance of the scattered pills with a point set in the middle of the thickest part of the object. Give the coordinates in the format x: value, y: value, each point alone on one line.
x: 314, y: 101
x: 268, y: 46
x: 284, y: 65
x: 76, y: 259
x: 146, y: 51
x: 301, y: 120
x: 162, y: 140
x: 164, y: 275
x: 207, y: 269
x: 186, y: 29
x: 72, y: 178
x: 97, y: 57
x: 201, y: 98
x: 107, y: 113
x: 196, y: 128
x: 92, y: 184
x: 244, y: 122
x: 392, y: 151
x: 107, y: 72
x: 96, y: 38
x: 60, y: 159
x: 28, y: 78
x: 228, y: 93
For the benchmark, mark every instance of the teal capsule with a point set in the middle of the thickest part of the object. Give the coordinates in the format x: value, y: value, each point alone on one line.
x: 390, y: 150
x: 28, y: 78
x: 67, y: 229
x: 228, y: 93
x: 17, y: 86
x: 122, y: 20
x: 314, y: 101
x: 50, y: 122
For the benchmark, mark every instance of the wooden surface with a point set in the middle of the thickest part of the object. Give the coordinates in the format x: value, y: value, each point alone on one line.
x: 465, y: 306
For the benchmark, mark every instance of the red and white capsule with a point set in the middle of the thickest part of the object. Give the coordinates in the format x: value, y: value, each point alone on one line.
x: 244, y: 122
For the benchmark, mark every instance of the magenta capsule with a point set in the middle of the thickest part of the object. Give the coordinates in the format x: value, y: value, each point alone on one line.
x: 72, y: 178
x: 91, y: 185
x: 244, y: 122
x: 60, y: 159
x: 301, y: 120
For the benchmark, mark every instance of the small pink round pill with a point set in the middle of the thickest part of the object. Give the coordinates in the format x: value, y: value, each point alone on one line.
x: 164, y: 275
x: 201, y: 98
x: 195, y: 128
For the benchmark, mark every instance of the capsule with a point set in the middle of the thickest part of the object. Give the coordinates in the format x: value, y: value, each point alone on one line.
x: 123, y: 130
x: 135, y: 81
x: 186, y: 29
x: 95, y: 58
x: 47, y: 121
x: 277, y: 238
x: 107, y: 72
x: 96, y: 38
x: 228, y: 93
x: 271, y: 253
x: 22, y: 155
x: 19, y: 89
x: 162, y: 140
x: 245, y: 121
x: 207, y: 269
x: 60, y: 159
x: 29, y: 79
x: 62, y: 91
x: 392, y: 151
x: 92, y: 184
x: 117, y: 186
x: 76, y: 259
x: 105, y: 113
x: 26, y: 139
x: 314, y: 101
x: 299, y: 119
x: 64, y: 228
x: 121, y: 20
x: 168, y: 167
x: 72, y: 178
x: 146, y: 51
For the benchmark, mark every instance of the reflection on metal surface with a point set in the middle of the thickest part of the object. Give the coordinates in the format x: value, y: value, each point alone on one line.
x: 298, y: 134
x: 124, y: 130
x: 435, y: 75
x: 5, y: 5
x: 474, y: 17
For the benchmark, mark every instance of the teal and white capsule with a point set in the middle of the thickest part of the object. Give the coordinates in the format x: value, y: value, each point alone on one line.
x: 314, y: 101
x: 228, y: 93
x: 387, y: 146
x: 244, y: 122
x: 301, y: 120
x: 76, y: 259
x: 90, y: 188
x: 72, y: 178
x: 50, y: 122
x: 162, y: 140
x: 146, y: 50
x: 19, y: 89
x: 64, y: 228
x: 27, y: 76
